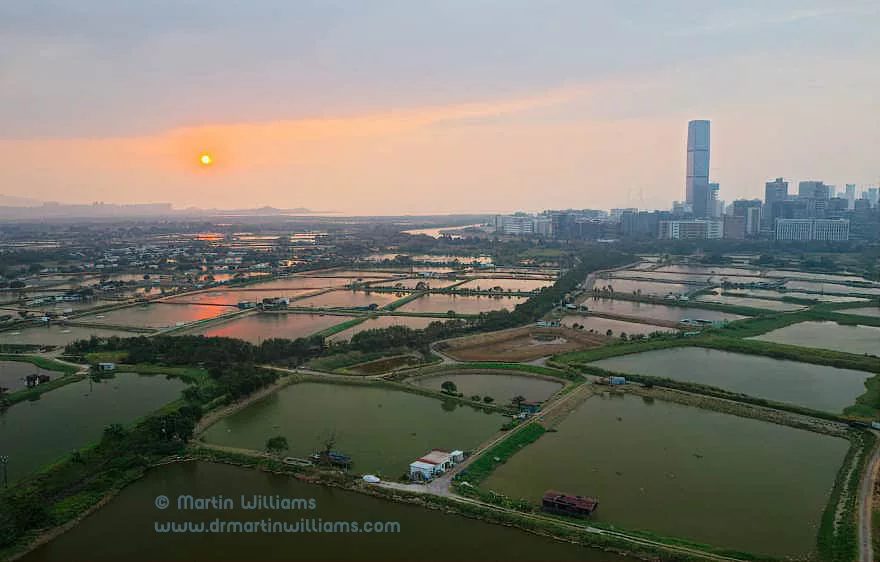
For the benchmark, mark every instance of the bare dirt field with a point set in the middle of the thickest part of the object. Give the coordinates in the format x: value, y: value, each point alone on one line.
x: 520, y: 344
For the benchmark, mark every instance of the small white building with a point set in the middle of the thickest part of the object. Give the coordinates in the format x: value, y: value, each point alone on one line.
x: 434, y: 464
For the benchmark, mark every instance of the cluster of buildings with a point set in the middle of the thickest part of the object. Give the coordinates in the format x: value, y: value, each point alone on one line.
x: 817, y: 212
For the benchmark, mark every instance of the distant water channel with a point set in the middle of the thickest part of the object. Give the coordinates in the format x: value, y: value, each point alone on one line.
x: 814, y: 386
x: 127, y: 526
x: 383, y: 430
x: 681, y: 471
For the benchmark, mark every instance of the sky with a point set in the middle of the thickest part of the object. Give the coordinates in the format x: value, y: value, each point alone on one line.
x: 435, y: 106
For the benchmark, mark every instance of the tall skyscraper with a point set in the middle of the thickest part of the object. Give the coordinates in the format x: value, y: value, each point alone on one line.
x: 850, y: 195
x: 697, y: 163
x: 774, y: 193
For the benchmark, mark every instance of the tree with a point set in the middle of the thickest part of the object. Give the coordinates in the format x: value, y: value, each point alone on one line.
x: 518, y: 401
x: 449, y: 387
x: 623, y: 336
x: 276, y: 445
x: 488, y: 399
x: 609, y: 333
x: 475, y: 397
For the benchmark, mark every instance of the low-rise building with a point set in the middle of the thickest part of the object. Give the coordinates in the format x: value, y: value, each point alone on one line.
x: 804, y: 230
x: 434, y: 464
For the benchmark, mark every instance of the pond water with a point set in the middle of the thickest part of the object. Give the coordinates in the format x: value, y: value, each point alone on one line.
x: 867, y: 311
x: 155, y: 315
x: 602, y: 325
x: 646, y: 287
x: 258, y: 327
x: 348, y: 299
x: 657, y: 311
x: 828, y: 335
x: 232, y: 298
x: 383, y: 430
x: 499, y: 385
x: 58, y: 335
x: 36, y: 433
x: 752, y: 303
x: 807, y: 296
x: 832, y: 288
x: 13, y: 373
x: 129, y: 520
x: 814, y: 386
x: 461, y: 304
x: 512, y: 284
x: 680, y: 471
x: 414, y: 283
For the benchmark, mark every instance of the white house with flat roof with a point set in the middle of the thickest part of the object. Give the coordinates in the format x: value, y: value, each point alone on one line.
x: 434, y: 464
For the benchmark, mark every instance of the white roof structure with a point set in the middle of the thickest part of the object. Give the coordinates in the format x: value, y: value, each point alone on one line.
x: 421, y: 465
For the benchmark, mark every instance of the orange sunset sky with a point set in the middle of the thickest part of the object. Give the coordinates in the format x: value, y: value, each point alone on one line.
x: 431, y: 107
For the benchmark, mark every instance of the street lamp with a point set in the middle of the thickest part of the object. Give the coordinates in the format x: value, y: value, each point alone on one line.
x: 4, y: 460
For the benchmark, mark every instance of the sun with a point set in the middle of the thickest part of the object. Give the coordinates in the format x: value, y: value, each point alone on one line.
x: 206, y: 160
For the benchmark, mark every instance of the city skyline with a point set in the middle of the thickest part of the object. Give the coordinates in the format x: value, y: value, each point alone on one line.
x: 316, y: 106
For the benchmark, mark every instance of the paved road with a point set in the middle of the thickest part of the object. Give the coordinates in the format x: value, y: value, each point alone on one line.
x: 866, y: 492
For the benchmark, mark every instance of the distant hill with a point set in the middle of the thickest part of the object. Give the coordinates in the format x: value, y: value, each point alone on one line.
x: 12, y: 201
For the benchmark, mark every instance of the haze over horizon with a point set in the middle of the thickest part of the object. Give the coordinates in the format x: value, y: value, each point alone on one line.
x: 431, y: 107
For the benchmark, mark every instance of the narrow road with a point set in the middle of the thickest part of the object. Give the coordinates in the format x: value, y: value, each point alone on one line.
x: 866, y: 494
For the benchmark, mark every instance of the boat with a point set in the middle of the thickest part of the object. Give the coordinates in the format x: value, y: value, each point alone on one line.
x: 328, y: 457
x: 567, y: 504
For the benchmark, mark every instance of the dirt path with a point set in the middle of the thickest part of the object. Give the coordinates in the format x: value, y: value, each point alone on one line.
x: 866, y: 497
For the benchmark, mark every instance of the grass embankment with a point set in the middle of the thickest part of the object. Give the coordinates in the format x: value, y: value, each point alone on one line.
x: 498, y: 454
x: 402, y: 301
x: 838, y: 531
x: 341, y: 327
x: 337, y: 361
x: 41, y: 362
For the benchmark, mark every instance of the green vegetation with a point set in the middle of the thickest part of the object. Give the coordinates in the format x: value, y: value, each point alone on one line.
x: 69, y: 488
x: 500, y: 453
x: 501, y: 366
x: 277, y: 445
x: 838, y: 534
x: 35, y: 392
x: 341, y: 327
x: 41, y: 362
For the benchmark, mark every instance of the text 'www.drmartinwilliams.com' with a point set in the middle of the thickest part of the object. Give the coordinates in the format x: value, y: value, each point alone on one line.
x: 260, y: 503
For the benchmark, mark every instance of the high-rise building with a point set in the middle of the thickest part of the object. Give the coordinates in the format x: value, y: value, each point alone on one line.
x: 774, y: 192
x: 697, y: 174
x: 715, y: 205
x: 850, y: 195
x: 814, y: 190
x: 873, y: 196
x: 750, y: 210
x: 734, y: 227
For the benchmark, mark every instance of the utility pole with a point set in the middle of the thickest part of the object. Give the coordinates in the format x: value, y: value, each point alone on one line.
x: 4, y: 460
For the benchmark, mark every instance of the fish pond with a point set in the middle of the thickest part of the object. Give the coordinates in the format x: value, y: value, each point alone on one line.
x: 36, y: 433
x: 828, y: 335
x: 680, y: 471
x: 129, y: 522
x: 501, y: 386
x: 382, y: 429
x: 813, y: 386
